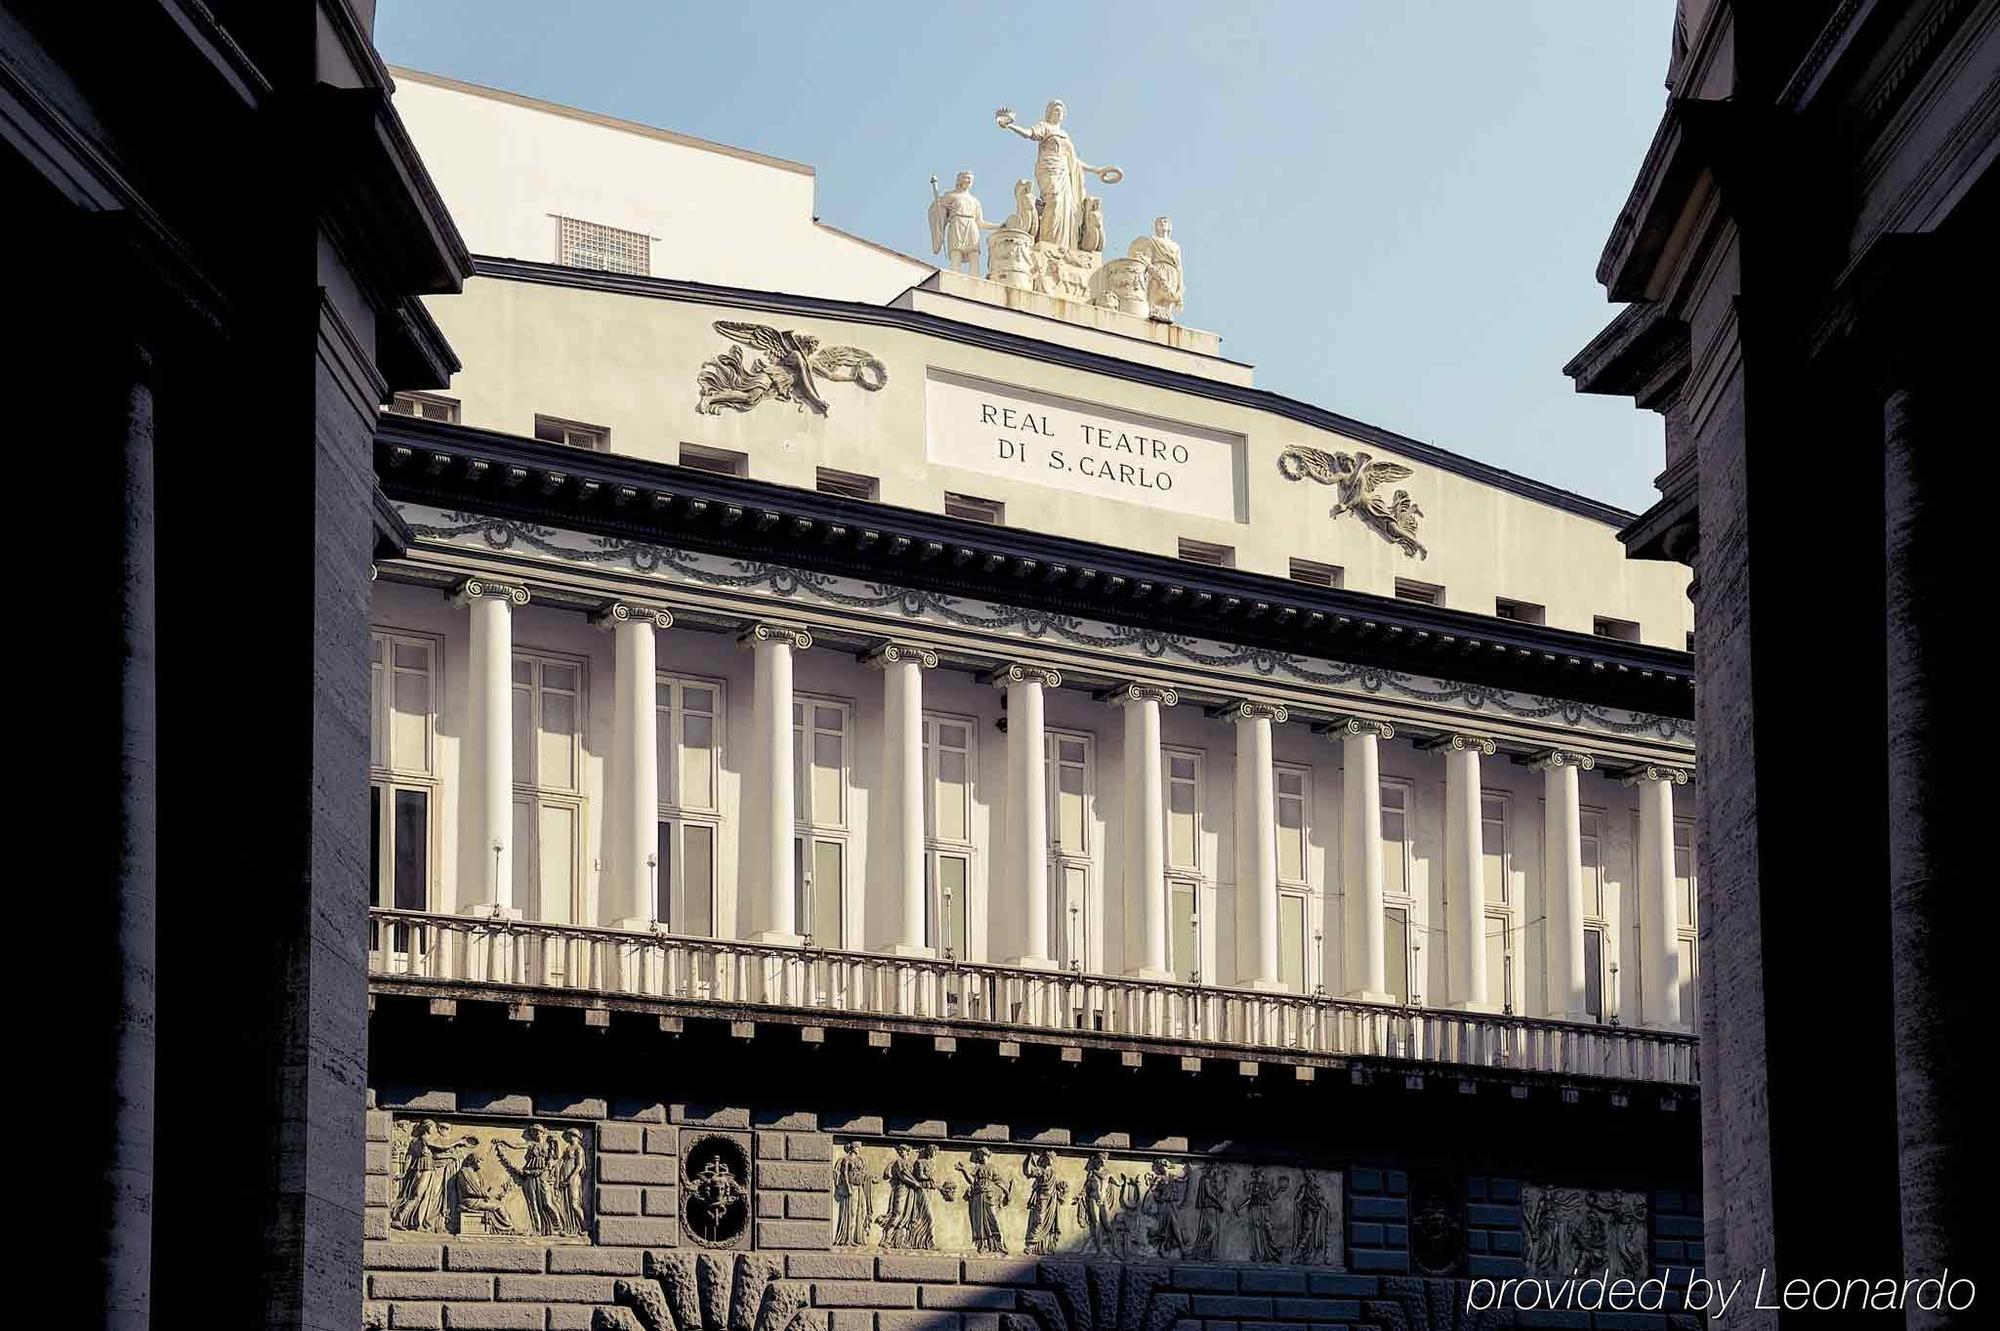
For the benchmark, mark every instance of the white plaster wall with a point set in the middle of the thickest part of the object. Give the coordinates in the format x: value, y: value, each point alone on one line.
x: 629, y: 363
x: 508, y: 167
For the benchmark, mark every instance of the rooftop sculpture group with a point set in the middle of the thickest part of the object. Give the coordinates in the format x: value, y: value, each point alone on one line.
x: 1053, y: 241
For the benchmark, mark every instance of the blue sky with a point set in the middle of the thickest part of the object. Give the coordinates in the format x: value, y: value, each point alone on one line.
x: 1393, y: 209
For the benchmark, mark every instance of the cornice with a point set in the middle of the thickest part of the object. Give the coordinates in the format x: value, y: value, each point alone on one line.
x: 624, y: 500
x: 931, y: 325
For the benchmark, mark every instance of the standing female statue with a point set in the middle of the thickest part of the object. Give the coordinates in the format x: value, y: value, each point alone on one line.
x: 1059, y: 174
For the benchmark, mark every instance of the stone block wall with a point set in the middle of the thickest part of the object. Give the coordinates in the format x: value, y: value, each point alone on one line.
x: 651, y: 1257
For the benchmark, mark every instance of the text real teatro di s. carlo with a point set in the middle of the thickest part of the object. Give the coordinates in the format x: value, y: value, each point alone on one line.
x: 841, y: 727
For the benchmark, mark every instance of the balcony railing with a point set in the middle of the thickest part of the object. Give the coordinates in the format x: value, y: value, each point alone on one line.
x: 474, y: 950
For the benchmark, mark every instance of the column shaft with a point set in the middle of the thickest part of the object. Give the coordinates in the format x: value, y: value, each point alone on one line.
x: 488, y: 861
x: 1145, y: 829
x: 631, y: 896
x: 1028, y: 808
x: 1562, y: 889
x: 1361, y: 858
x: 903, y: 792
x: 1659, y: 939
x: 1256, y: 847
x: 1464, y: 875
x: 775, y: 914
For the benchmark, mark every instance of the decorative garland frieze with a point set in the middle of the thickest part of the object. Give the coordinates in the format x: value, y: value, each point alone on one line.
x: 721, y: 573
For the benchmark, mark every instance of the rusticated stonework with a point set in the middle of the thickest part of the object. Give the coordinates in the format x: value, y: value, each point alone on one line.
x: 520, y: 1182
x: 933, y: 1197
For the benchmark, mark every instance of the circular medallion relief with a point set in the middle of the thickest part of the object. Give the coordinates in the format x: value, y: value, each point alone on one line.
x: 715, y: 1209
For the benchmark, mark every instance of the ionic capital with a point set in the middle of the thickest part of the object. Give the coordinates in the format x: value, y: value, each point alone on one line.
x: 1017, y: 672
x: 896, y: 653
x: 1251, y: 710
x: 472, y: 589
x: 1456, y: 742
x: 633, y: 612
x: 1552, y: 758
x: 787, y: 634
x: 1347, y: 726
x: 1646, y: 773
x: 1159, y: 693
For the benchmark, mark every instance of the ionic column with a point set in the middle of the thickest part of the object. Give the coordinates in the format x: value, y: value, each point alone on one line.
x: 632, y: 820
x: 1562, y: 880
x: 1464, y: 872
x: 1364, y: 967
x: 486, y: 863
x: 1027, y: 852
x: 1256, y: 845
x: 1146, y: 826
x: 1659, y: 936
x: 773, y: 911
x: 902, y: 667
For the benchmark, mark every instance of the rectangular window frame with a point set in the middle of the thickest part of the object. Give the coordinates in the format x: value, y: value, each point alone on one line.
x: 955, y: 912
x: 570, y: 800
x: 1071, y: 869
x: 572, y: 434
x: 815, y: 828
x: 675, y: 814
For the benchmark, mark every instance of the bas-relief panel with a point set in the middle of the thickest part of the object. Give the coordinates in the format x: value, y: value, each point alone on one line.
x: 489, y: 1181
x: 957, y: 1199
x: 1570, y: 1231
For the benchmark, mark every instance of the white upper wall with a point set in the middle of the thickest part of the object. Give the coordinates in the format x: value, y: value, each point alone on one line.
x: 509, y: 166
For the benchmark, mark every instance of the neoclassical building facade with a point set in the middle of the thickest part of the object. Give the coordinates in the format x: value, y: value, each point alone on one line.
x: 878, y: 771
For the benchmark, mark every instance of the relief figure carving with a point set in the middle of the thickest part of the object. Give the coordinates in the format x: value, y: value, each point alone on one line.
x: 1570, y: 1230
x: 500, y: 1181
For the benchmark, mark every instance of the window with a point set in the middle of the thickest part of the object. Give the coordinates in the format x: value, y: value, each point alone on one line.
x: 1687, y: 922
x: 424, y: 406
x: 1184, y: 780
x: 1395, y: 839
x: 548, y: 793
x: 1521, y: 612
x: 948, y: 766
x: 1396, y: 951
x: 1593, y: 973
x: 1207, y: 552
x: 1493, y: 849
x: 721, y: 461
x: 1423, y: 593
x: 1624, y: 630
x: 1497, y: 924
x: 401, y: 671
x: 1293, y: 786
x: 582, y: 244
x: 573, y: 434
x: 1292, y: 960
x: 1319, y: 575
x: 1184, y: 898
x: 974, y: 509
x: 690, y: 758
x: 847, y: 484
x: 820, y: 748
x: 1590, y: 836
x: 1398, y: 927
x: 1072, y: 857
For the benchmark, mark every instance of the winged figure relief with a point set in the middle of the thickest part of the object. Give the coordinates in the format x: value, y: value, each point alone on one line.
x: 790, y: 368
x: 1357, y: 479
